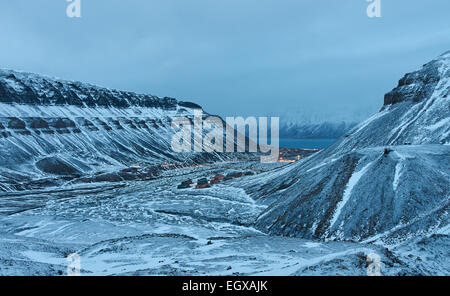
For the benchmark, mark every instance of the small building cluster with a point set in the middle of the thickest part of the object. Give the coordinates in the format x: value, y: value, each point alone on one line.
x: 295, y: 154
x: 205, y: 183
x: 185, y: 184
x: 132, y: 169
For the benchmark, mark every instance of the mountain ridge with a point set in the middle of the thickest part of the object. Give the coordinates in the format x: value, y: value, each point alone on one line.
x: 30, y: 88
x: 55, y: 131
x: 387, y: 178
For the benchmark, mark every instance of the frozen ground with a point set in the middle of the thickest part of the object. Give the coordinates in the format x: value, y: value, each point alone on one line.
x: 152, y: 228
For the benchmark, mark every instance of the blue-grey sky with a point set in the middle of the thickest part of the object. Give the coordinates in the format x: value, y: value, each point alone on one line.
x: 293, y: 58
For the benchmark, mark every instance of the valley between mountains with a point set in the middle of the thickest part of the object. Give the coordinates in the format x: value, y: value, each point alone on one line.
x: 89, y: 170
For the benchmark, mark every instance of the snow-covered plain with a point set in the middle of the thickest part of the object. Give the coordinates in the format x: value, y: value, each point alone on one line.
x: 152, y: 228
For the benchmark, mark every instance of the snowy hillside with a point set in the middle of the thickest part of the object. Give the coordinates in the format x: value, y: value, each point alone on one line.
x: 386, y: 179
x: 51, y: 128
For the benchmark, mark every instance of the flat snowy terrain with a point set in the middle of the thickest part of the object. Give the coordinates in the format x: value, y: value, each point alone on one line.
x: 152, y: 228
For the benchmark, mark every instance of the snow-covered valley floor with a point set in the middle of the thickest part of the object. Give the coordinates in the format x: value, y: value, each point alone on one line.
x: 153, y: 228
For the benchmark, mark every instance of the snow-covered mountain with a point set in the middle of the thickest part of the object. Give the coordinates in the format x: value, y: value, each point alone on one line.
x: 386, y: 179
x: 51, y: 127
x: 322, y: 130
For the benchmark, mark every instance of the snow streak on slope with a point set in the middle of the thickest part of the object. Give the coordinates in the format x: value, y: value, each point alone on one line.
x: 354, y: 179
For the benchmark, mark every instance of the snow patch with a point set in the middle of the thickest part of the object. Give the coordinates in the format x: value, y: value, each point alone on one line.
x: 354, y: 179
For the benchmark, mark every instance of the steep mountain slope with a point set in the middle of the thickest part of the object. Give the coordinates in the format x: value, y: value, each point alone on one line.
x: 388, y: 178
x: 51, y: 127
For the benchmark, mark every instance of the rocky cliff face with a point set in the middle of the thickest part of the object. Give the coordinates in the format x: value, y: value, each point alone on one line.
x: 32, y: 89
x: 419, y: 85
x: 386, y: 179
x: 51, y: 128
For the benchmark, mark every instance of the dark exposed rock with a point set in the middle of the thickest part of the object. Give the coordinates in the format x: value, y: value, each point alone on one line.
x: 128, y: 176
x: 116, y: 123
x: 56, y: 166
x: 23, y: 132
x: 103, y: 124
x: 387, y: 151
x: 5, y: 95
x: 48, y: 132
x: 189, y: 105
x: 62, y: 131
x: 112, y: 177
x: 140, y: 123
x: 16, y: 123
x: 26, y: 88
x: 38, y: 123
x: 415, y: 86
x: 130, y: 124
x: 62, y: 123
x: 86, y: 123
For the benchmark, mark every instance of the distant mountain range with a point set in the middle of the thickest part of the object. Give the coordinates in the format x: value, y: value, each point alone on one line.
x: 322, y: 130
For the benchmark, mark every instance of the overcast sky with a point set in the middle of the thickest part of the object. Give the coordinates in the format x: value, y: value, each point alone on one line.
x: 293, y: 58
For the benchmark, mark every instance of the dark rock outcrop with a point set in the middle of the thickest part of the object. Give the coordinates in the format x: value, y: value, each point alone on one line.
x: 16, y: 123
x: 27, y: 88
x: 56, y: 166
x: 416, y: 86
